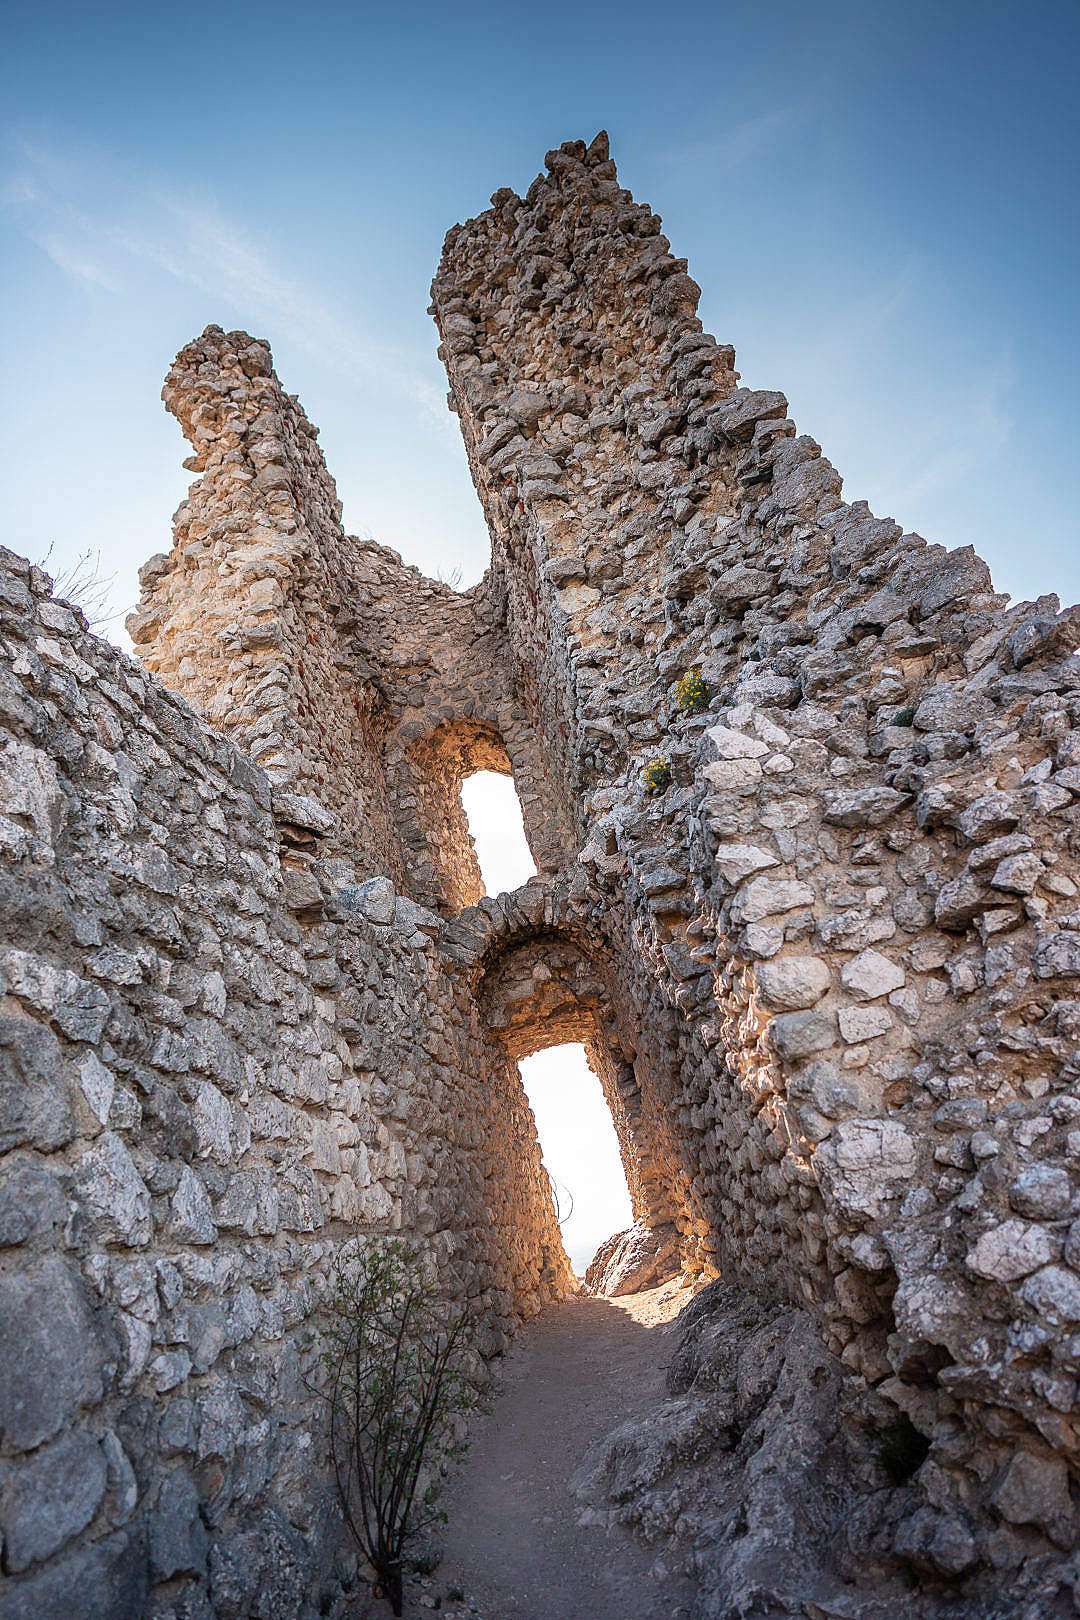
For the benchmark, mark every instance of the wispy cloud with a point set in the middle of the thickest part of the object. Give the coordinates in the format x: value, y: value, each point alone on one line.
x: 70, y: 257
x: 104, y: 231
x: 878, y: 368
x: 739, y: 145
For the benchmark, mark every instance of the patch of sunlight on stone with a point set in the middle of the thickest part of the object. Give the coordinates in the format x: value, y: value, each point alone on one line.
x: 580, y: 1148
x: 494, y: 812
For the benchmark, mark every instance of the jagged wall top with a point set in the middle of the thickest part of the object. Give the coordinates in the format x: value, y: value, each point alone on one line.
x: 332, y: 662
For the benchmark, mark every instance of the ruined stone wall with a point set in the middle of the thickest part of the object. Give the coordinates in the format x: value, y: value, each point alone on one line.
x: 348, y: 676
x: 827, y: 974
x: 857, y: 901
x: 215, y: 1070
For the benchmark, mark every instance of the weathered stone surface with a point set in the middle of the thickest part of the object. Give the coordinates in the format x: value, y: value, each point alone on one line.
x: 300, y: 810
x: 631, y: 1260
x: 789, y: 983
x: 1054, y: 1293
x: 863, y: 807
x: 191, y: 1218
x: 178, y: 1539
x: 35, y: 1088
x: 769, y: 897
x: 1010, y: 1251
x: 104, y: 1580
x: 753, y: 1416
x: 797, y: 1034
x: 737, y: 861
x: 866, y: 1163
x: 1043, y: 1191
x: 55, y: 1495
x: 870, y: 974
x: 54, y: 1355
x: 1035, y: 1490
x: 864, y: 1023
x: 268, y: 1571
x: 32, y: 1203
x: 111, y: 1192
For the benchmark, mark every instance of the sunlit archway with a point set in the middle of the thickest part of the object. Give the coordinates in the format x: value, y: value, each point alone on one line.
x: 579, y: 1147
x: 497, y: 828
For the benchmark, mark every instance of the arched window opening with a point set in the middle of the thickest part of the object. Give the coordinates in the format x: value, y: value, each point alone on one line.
x: 497, y: 828
x: 579, y: 1147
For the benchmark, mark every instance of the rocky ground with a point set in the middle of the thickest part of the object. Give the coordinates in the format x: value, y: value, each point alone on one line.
x: 673, y: 1453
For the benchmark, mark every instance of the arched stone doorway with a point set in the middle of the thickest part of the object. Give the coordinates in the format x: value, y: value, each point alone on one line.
x: 433, y: 827
x: 554, y: 989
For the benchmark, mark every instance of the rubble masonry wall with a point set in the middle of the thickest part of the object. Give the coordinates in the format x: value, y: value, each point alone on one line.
x: 828, y: 975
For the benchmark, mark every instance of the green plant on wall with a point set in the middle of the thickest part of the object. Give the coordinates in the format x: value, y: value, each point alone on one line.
x: 657, y: 774
x: 692, y: 692
x: 399, y: 1390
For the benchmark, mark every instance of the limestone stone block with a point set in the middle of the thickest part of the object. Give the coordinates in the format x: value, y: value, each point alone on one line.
x: 56, y: 1493
x: 1054, y: 1293
x: 797, y: 1034
x: 734, y: 775
x: 190, y: 1218
x: 54, y: 1352
x: 1057, y: 955
x: 731, y: 744
x: 178, y: 1539
x: 169, y: 1369
x: 110, y: 1190
x: 32, y: 1202
x: 770, y: 897
x: 859, y: 1024
x: 1043, y: 1191
x: 1035, y: 1490
x: 737, y: 861
x: 1010, y: 1251
x: 791, y: 983
x: 865, y: 1162
x: 871, y: 974
x: 35, y: 1088
x: 102, y: 1580
x: 98, y: 1086
x: 959, y: 902
x: 1019, y: 874
x: 863, y: 807
x: 376, y: 899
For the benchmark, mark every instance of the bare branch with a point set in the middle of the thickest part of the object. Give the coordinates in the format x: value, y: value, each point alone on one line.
x: 84, y: 584
x: 397, y: 1388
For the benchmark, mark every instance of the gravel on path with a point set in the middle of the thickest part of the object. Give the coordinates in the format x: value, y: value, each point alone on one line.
x: 514, y: 1547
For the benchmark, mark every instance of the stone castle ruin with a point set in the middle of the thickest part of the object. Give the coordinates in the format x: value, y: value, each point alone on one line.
x: 255, y: 1001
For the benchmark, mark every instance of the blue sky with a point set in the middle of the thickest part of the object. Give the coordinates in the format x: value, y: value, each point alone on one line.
x: 877, y: 200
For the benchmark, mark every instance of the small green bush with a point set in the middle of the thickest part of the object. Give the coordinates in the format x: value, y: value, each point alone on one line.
x: 657, y: 774
x: 904, y: 717
x: 692, y: 692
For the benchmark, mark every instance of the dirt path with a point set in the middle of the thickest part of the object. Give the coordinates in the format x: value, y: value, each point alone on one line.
x: 514, y: 1547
